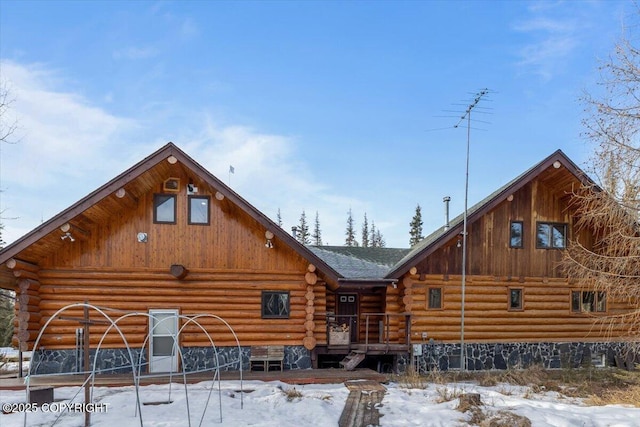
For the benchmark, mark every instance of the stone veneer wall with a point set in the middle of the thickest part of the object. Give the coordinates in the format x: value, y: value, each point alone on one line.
x: 195, y: 358
x: 438, y: 356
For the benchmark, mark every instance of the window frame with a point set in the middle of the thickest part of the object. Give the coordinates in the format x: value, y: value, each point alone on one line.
x: 263, y: 305
x: 510, y: 300
x: 552, y: 226
x: 165, y: 196
x: 441, y: 299
x: 189, y: 218
x: 511, y: 224
x: 599, y: 302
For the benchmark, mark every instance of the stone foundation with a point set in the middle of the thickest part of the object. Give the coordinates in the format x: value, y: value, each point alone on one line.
x: 195, y: 359
x: 435, y: 356
x: 516, y: 355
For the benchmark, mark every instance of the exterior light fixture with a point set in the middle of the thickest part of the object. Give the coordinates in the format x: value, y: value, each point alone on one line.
x: 269, y: 236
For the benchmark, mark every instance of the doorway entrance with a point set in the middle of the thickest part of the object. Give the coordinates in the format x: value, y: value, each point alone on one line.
x: 163, y: 330
x: 347, y: 313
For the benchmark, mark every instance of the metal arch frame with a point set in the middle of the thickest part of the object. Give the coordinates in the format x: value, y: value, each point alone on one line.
x: 136, y: 378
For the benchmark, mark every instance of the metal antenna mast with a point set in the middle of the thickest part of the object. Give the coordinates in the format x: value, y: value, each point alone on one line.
x: 467, y: 116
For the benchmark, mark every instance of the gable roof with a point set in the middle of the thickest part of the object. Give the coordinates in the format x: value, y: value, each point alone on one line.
x: 140, y: 178
x: 563, y: 172
x: 360, y: 263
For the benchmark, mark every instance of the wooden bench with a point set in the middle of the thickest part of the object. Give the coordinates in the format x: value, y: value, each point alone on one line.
x: 265, y: 357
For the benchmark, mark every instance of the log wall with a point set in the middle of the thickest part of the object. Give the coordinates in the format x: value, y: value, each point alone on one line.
x: 546, y: 315
x: 234, y: 296
x: 218, y: 268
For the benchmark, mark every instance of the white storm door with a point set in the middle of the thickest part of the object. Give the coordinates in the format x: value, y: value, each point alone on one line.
x: 163, y: 330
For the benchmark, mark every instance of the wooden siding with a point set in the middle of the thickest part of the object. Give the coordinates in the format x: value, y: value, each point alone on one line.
x: 228, y: 267
x: 546, y: 315
x: 489, y: 236
x: 232, y: 240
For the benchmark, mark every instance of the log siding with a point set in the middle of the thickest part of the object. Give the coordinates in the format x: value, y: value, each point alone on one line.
x: 546, y: 315
x: 232, y: 296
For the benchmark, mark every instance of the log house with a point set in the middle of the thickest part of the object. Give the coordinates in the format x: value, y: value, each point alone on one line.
x: 166, y: 237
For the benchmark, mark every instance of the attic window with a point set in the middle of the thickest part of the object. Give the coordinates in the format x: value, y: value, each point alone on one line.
x: 199, y: 210
x: 515, y: 238
x: 551, y: 235
x: 164, y: 208
x: 171, y: 184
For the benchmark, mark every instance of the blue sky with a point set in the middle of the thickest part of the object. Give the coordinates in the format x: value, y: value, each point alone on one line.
x: 319, y: 106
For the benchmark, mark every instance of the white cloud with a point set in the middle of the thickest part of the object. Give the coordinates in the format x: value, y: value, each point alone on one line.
x: 553, y: 35
x: 70, y: 147
x: 66, y: 147
x: 272, y: 174
x: 63, y: 136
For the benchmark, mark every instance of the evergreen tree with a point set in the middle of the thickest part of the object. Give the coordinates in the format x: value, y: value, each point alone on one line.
x: 7, y: 314
x: 372, y: 234
x: 279, y: 218
x: 316, y: 237
x: 415, y: 232
x: 350, y: 233
x: 365, y: 232
x: 303, y: 230
x: 375, y: 237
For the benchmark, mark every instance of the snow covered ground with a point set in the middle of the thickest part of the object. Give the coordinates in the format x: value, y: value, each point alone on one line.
x: 275, y: 404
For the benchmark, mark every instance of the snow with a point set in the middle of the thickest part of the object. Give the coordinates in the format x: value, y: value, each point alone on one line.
x: 268, y: 404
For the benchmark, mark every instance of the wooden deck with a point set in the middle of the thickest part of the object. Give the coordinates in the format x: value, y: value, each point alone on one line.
x: 295, y: 376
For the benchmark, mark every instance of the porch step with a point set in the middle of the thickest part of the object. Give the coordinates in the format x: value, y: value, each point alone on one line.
x: 352, y: 360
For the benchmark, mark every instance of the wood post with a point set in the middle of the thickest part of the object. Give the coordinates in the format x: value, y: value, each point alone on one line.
x: 126, y: 198
x: 27, y: 302
x: 310, y: 278
x: 16, y: 264
x: 179, y: 271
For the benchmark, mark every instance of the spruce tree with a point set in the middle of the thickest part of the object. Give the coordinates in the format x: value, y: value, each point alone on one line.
x: 303, y: 230
x: 375, y: 237
x: 365, y: 232
x: 350, y: 233
x: 372, y: 234
x: 316, y: 237
x: 279, y: 218
x: 415, y: 232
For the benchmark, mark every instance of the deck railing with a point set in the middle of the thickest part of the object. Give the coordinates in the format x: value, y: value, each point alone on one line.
x: 382, y: 326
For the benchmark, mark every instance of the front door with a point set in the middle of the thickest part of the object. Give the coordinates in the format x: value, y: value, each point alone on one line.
x: 163, y: 330
x: 348, y: 313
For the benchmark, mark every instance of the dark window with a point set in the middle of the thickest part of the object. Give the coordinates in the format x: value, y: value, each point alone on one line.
x: 515, y: 299
x: 435, y: 297
x: 199, y: 210
x: 588, y: 301
x: 515, y: 240
x: 164, y: 208
x: 551, y: 235
x: 275, y: 305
